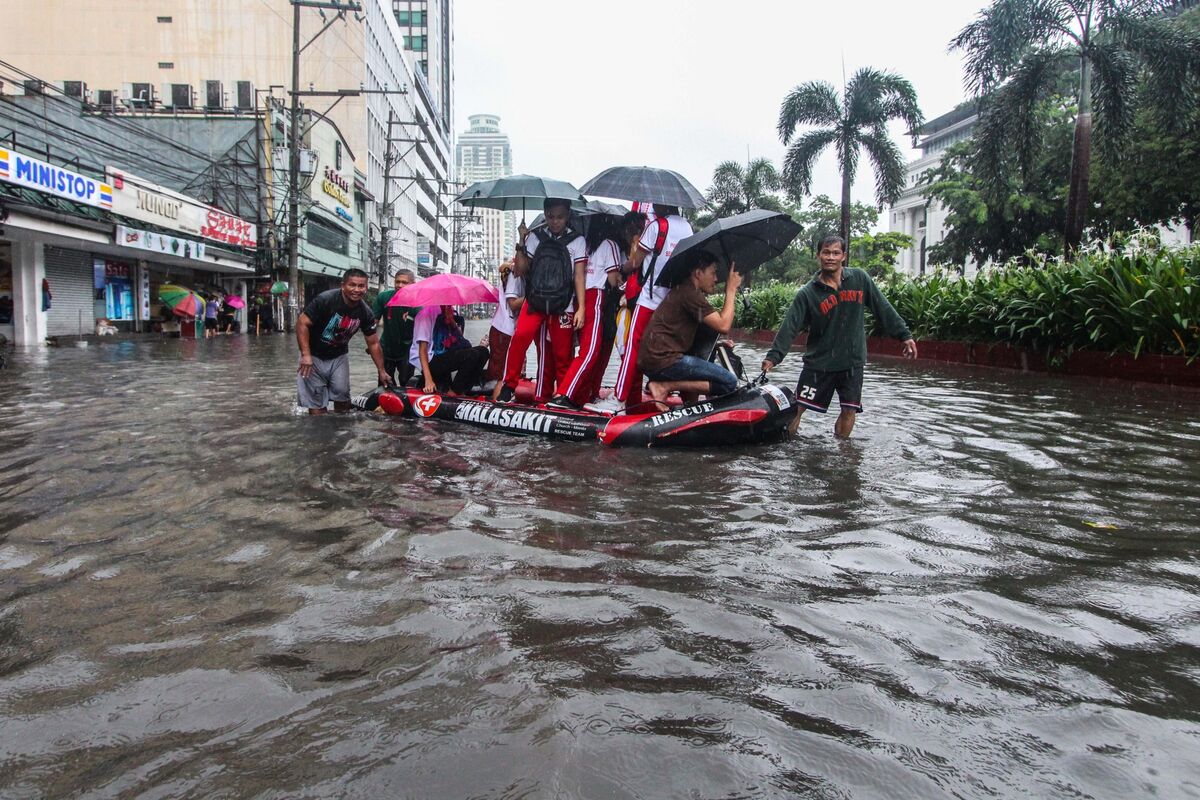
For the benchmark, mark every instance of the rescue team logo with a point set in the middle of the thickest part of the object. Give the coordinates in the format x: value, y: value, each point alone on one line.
x: 680, y: 413
x: 427, y: 404
x: 509, y: 419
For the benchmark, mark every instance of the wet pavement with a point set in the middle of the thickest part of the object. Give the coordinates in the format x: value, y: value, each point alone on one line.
x: 993, y: 590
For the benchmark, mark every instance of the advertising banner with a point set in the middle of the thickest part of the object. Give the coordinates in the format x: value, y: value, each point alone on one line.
x: 31, y: 173
x: 138, y: 198
x: 159, y: 243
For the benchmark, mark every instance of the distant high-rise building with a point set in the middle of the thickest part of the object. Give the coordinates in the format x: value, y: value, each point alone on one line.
x: 483, y: 153
x: 428, y: 34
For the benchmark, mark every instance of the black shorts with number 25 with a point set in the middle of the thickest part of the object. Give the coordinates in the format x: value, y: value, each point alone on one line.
x: 815, y: 388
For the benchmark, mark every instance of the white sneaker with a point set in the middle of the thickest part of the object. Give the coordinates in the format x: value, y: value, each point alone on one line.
x: 609, y: 405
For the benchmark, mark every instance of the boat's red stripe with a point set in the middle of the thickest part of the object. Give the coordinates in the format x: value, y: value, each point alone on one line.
x: 735, y: 416
x: 618, y: 425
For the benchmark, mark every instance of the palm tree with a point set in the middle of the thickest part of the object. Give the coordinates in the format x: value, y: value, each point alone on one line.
x: 1017, y: 50
x: 737, y: 188
x: 857, y: 120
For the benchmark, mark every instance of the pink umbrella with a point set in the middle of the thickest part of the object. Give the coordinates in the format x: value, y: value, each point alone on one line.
x: 446, y: 289
x: 235, y: 301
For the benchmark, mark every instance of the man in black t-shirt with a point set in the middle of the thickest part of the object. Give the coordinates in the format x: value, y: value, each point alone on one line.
x: 323, y: 332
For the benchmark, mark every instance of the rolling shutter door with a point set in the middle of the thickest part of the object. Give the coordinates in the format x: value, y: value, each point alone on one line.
x: 70, y: 276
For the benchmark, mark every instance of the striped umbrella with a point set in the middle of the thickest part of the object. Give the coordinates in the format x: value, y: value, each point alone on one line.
x: 181, y: 301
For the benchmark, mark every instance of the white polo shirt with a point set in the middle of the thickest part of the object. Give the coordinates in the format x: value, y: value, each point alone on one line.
x: 505, y: 321
x: 603, y: 260
x: 678, y: 228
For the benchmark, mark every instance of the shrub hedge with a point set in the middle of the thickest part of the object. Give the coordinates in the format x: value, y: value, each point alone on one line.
x: 1130, y: 299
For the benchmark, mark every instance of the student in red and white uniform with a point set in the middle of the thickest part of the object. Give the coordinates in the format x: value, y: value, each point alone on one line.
x: 561, y: 332
x: 512, y: 294
x: 655, y: 246
x: 582, y: 381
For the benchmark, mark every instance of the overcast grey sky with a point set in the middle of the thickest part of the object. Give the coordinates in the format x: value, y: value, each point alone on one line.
x: 685, y: 85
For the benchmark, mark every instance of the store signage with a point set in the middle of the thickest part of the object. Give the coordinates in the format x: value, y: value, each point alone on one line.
x: 222, y: 227
x: 34, y: 174
x: 336, y: 186
x: 159, y: 243
x: 140, y: 199
x: 144, y: 290
x: 344, y: 214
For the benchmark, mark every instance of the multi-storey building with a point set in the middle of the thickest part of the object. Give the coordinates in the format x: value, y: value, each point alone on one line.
x: 915, y: 213
x: 483, y: 153
x: 428, y: 30
x: 195, y: 56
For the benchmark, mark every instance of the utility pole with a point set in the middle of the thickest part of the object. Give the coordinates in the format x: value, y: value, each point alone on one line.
x: 294, y: 176
x: 294, y: 143
x: 390, y: 159
x: 385, y: 208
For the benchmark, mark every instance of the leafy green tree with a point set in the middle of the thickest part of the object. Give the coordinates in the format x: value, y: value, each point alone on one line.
x: 1015, y: 50
x: 1014, y: 211
x: 1157, y: 181
x: 824, y: 217
x: 877, y: 252
x: 854, y: 122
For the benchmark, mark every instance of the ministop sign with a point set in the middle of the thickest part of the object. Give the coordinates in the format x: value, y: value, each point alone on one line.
x: 33, y: 173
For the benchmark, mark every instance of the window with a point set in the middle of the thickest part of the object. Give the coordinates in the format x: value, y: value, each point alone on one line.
x: 411, y: 18
x: 327, y: 237
x: 337, y: 156
x: 166, y: 65
x: 165, y: 19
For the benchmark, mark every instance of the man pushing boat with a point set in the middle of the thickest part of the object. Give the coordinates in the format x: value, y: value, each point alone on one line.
x: 830, y: 307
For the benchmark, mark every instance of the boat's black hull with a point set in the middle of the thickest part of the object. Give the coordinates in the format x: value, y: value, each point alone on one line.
x: 750, y: 415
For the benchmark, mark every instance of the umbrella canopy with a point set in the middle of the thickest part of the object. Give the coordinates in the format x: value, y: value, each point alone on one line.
x: 750, y: 239
x: 279, y: 287
x: 446, y: 289
x: 235, y: 301
x: 518, y: 193
x: 181, y: 300
x: 645, y: 184
x: 583, y: 218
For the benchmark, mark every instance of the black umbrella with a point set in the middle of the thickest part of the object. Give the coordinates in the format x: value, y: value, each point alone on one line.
x: 647, y: 184
x: 582, y: 219
x: 750, y: 239
x: 518, y: 193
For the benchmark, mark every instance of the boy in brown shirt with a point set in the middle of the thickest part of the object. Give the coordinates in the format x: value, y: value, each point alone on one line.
x: 664, y: 356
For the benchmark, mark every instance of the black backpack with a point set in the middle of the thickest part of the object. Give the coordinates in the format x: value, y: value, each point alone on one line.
x: 551, y: 283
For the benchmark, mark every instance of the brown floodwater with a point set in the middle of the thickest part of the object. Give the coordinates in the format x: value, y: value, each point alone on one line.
x: 992, y: 590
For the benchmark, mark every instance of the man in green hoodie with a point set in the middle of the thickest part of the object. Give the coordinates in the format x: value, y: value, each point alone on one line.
x: 397, y: 329
x: 830, y: 307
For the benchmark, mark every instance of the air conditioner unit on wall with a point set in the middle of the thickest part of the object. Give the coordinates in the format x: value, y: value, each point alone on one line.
x: 137, y: 95
x: 74, y: 89
x: 214, y: 95
x: 245, y: 96
x: 106, y: 98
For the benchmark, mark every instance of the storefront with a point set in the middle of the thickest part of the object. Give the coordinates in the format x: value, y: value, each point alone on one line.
x: 6, y: 291
x: 71, y: 264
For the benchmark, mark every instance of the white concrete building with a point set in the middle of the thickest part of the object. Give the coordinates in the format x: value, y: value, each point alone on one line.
x: 915, y: 213
x: 483, y: 153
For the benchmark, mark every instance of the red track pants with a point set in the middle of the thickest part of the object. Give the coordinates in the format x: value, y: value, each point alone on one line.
x: 582, y: 380
x: 553, y: 361
x: 629, y: 379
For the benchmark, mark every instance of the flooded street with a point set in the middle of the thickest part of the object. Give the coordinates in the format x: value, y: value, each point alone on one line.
x: 993, y: 590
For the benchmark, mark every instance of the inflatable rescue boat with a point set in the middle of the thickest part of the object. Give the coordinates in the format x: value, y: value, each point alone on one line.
x: 750, y: 415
